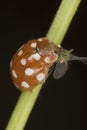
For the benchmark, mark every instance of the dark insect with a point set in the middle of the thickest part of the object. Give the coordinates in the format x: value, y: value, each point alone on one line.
x: 60, y: 70
x: 62, y: 67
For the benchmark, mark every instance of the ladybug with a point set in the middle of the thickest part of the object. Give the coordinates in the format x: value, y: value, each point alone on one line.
x: 30, y: 65
x: 32, y: 62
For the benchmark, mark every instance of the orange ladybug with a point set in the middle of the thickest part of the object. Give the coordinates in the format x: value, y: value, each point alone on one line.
x: 32, y: 62
x: 30, y: 65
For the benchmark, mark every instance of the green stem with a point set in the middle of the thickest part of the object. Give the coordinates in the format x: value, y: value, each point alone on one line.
x: 62, y: 20
x: 23, y: 109
x: 56, y: 33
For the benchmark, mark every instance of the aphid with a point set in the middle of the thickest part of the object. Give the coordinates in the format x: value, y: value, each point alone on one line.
x: 61, y: 66
x: 32, y: 62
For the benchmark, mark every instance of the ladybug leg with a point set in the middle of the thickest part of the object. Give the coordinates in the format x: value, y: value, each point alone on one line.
x: 60, y: 70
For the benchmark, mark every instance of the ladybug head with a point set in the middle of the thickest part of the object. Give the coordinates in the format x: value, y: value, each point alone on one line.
x: 48, y: 50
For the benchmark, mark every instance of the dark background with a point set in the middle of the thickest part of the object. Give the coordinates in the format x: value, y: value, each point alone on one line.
x: 62, y: 103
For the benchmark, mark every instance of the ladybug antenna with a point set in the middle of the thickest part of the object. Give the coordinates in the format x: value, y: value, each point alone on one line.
x: 81, y: 59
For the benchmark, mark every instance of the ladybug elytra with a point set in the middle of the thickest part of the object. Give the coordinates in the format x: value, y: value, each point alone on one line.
x: 31, y: 63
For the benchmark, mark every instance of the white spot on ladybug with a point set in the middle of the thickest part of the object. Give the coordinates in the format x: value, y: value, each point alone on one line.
x: 47, y: 60
x: 23, y: 61
x: 29, y: 71
x: 14, y: 73
x: 20, y: 52
x: 25, y: 84
x: 33, y: 45
x: 40, y: 76
x: 59, y: 46
x: 35, y: 56
x: 40, y: 39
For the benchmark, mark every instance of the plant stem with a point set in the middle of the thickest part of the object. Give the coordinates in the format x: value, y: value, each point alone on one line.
x: 23, y: 109
x: 56, y: 33
x: 62, y: 20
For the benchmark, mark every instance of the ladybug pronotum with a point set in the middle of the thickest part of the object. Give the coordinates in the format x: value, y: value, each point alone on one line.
x: 31, y: 63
